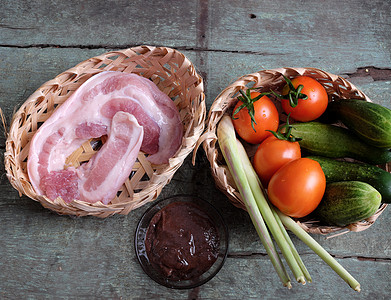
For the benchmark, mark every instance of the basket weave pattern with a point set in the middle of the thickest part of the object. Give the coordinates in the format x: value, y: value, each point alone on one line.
x: 169, y: 69
x: 335, y: 86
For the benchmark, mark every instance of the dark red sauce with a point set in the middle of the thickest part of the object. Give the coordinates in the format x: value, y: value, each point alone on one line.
x: 182, y: 241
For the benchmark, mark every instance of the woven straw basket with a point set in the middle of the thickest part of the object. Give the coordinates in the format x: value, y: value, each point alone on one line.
x: 173, y: 73
x: 272, y: 79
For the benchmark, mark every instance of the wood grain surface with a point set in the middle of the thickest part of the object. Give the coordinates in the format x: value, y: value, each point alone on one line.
x: 47, y: 256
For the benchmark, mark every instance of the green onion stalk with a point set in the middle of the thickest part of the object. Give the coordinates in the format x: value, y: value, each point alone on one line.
x: 228, y: 145
x: 270, y: 213
x: 319, y: 250
x: 264, y: 207
x: 268, y: 219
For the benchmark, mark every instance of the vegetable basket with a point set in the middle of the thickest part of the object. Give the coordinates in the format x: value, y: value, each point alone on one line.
x: 169, y: 69
x: 336, y: 87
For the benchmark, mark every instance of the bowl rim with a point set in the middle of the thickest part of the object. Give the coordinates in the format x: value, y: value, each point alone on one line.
x: 140, y: 233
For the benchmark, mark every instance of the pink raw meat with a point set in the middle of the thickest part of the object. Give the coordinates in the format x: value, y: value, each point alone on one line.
x: 105, y: 172
x: 89, y: 113
x: 63, y: 183
x: 151, y: 129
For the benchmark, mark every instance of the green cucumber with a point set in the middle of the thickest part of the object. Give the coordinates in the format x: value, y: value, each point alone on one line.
x: 335, y: 170
x: 337, y: 142
x: 348, y: 202
x: 370, y: 121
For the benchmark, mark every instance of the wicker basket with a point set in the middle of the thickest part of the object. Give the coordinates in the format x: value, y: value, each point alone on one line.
x: 267, y: 79
x: 173, y: 73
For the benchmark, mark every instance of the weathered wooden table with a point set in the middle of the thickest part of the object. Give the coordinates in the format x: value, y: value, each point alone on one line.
x: 47, y: 256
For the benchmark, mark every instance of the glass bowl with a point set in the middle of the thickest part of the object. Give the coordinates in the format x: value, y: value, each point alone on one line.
x: 155, y: 273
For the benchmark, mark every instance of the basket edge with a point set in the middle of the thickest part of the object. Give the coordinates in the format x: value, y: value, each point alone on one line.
x: 210, y: 137
x: 111, y: 209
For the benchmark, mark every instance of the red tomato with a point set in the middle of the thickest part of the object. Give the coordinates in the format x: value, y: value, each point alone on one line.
x: 311, y: 108
x: 297, y: 188
x: 272, y: 154
x: 265, y: 116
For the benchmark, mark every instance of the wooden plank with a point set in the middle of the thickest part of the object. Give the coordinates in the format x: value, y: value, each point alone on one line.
x: 48, y: 62
x: 320, y: 33
x: 62, y: 256
x: 304, y: 33
x: 369, y: 244
x: 49, y: 256
x: 27, y: 69
x: 227, y: 67
x: 98, y: 23
x: 94, y: 258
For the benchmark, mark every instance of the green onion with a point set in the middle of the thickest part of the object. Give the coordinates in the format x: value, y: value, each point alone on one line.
x: 257, y: 186
x: 321, y: 252
x: 293, y: 248
x: 228, y: 145
x: 268, y: 215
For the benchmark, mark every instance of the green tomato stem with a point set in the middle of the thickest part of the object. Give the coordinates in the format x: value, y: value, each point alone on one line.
x: 294, y: 94
x: 248, y: 103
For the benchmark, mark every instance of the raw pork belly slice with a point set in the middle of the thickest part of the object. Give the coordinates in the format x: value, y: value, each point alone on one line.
x: 88, y: 113
x: 107, y: 170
